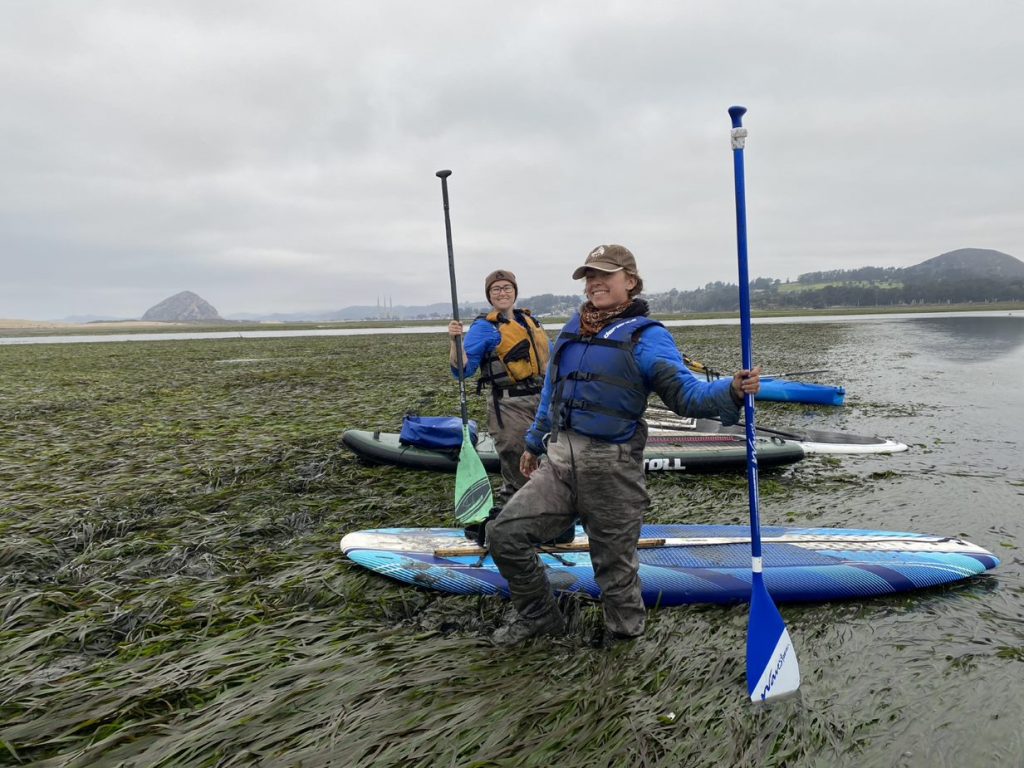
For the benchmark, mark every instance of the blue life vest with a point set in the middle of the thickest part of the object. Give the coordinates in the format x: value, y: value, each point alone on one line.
x: 597, y: 387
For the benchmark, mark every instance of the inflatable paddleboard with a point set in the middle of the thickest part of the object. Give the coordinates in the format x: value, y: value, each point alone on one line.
x: 682, y: 564
x: 665, y: 452
x: 813, y: 441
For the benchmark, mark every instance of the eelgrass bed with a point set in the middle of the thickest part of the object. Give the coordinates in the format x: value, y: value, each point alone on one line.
x: 172, y: 594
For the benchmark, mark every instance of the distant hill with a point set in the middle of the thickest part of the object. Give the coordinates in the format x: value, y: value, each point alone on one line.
x: 280, y: 317
x: 439, y: 310
x: 91, y: 319
x: 972, y: 263
x: 962, y: 264
x: 964, y: 276
x: 968, y: 275
x: 182, y: 307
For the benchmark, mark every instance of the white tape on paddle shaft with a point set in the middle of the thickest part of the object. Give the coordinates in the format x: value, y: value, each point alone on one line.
x: 739, y: 137
x: 756, y: 564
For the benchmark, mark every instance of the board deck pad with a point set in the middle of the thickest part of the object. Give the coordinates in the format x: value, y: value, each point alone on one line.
x: 699, y: 564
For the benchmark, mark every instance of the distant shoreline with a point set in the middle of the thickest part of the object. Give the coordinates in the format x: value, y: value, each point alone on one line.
x: 15, y: 327
x: 20, y: 324
x: 8, y: 324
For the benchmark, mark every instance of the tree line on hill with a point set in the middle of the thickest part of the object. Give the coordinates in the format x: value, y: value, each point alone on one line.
x: 765, y: 293
x: 771, y: 294
x: 965, y: 276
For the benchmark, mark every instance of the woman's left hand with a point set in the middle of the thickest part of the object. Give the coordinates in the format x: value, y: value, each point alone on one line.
x: 528, y: 464
x: 746, y: 382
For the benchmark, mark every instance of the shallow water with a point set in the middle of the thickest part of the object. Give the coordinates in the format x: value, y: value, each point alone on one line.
x: 937, y: 675
x: 171, y: 593
x: 85, y: 337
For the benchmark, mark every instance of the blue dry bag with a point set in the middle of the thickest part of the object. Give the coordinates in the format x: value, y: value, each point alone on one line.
x: 434, y: 431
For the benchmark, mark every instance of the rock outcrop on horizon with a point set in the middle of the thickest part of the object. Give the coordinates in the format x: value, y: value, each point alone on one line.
x: 965, y: 276
x: 184, y: 307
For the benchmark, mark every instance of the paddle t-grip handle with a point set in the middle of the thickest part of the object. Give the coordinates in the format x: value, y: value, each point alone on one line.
x: 443, y: 174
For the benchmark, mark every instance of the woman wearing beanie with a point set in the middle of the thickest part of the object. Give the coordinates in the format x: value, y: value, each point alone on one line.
x: 590, y: 431
x: 511, y: 351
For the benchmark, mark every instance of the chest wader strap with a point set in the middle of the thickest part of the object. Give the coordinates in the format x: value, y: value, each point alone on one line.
x: 496, y: 399
x: 519, y: 390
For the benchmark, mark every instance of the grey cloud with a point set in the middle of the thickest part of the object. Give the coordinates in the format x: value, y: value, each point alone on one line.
x: 281, y: 156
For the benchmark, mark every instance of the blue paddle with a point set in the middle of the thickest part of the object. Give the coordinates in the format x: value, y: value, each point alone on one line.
x: 473, y: 498
x: 772, y: 669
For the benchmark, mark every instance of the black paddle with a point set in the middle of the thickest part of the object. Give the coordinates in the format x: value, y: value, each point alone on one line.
x: 473, y: 499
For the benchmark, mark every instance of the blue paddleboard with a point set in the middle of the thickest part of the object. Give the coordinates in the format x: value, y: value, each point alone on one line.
x: 682, y: 564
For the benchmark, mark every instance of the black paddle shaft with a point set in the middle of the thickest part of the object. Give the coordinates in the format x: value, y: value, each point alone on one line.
x: 443, y: 176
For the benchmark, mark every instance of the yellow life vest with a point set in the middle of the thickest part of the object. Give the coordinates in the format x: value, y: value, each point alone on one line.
x: 521, y: 357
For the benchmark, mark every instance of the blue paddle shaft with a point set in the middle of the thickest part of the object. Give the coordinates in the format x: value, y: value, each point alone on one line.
x: 736, y: 113
x: 772, y: 668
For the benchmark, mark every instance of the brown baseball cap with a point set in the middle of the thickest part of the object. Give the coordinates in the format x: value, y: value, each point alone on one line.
x: 607, y: 258
x: 495, y: 276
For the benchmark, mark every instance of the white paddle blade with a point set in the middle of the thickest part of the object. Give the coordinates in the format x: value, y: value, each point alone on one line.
x: 780, y: 675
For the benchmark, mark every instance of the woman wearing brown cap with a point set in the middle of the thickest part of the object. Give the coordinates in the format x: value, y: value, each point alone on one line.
x: 606, y: 361
x: 511, y: 350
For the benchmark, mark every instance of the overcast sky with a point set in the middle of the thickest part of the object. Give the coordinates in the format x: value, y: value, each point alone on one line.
x: 280, y: 156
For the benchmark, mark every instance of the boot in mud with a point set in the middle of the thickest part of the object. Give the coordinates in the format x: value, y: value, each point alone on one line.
x: 609, y: 640
x: 549, y: 623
